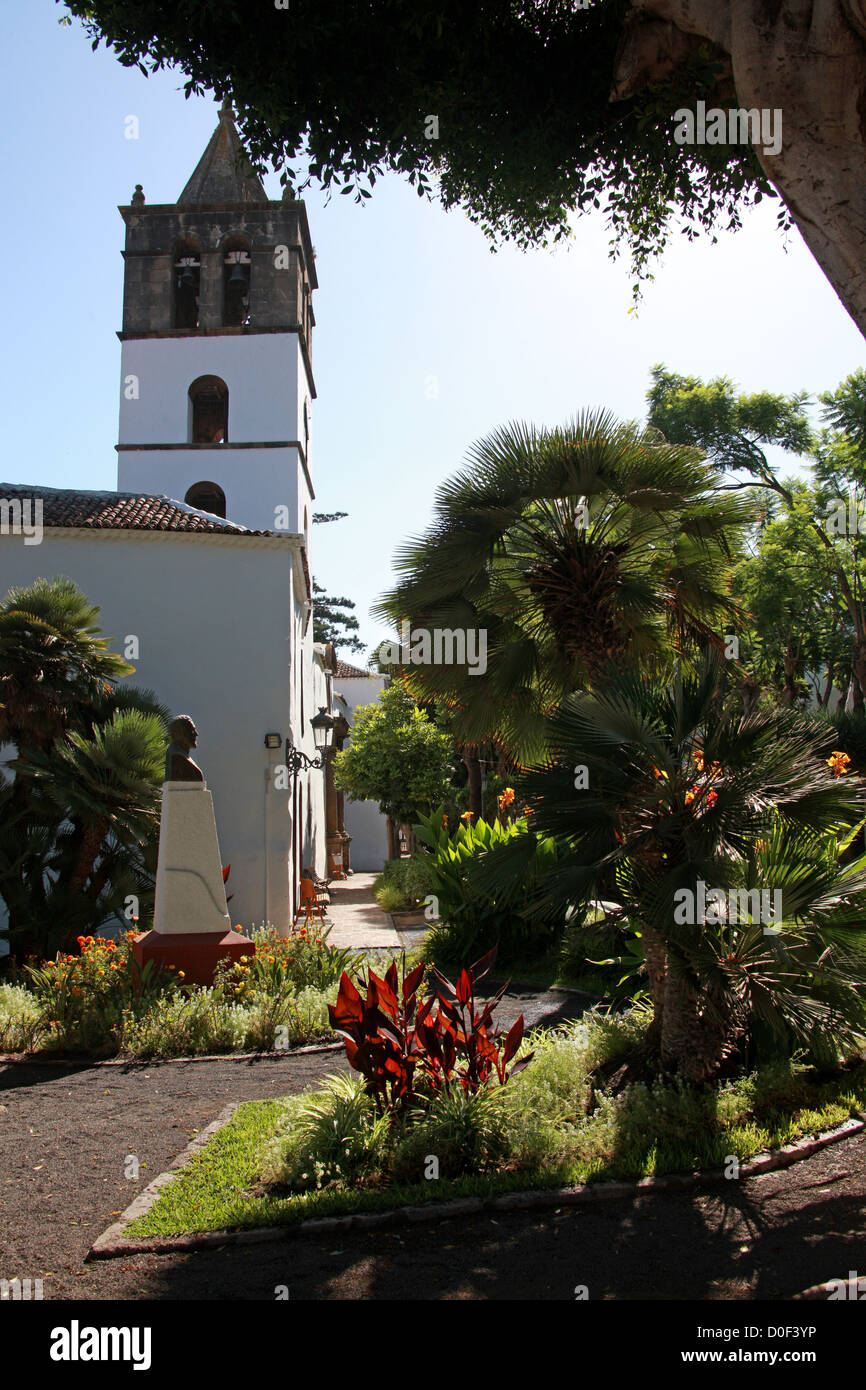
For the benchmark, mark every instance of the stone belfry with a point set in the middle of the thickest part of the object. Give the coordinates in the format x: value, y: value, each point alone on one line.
x: 216, y: 366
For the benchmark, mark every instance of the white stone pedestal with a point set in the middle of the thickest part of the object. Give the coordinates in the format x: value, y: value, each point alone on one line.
x: 190, y: 894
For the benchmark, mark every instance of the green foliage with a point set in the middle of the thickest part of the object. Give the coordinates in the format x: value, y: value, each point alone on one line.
x: 519, y: 156
x: 802, y: 583
x: 203, y: 1021
x: 85, y: 999
x: 99, y: 1003
x: 571, y: 549
x: 795, y: 619
x: 79, y: 815
x: 328, y: 1135
x: 681, y: 790
x: 403, y: 884
x: 554, y: 1121
x: 282, y: 965
x: 22, y: 1021
x: 474, y: 918
x: 396, y: 757
x: 334, y: 621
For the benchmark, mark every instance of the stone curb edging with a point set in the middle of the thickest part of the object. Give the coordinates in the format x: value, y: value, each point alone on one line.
x: 111, y: 1243
x: 146, y: 1199
x: 26, y: 1059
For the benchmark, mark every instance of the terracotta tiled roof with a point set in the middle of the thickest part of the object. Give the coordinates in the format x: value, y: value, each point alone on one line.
x: 121, y: 511
x: 344, y: 671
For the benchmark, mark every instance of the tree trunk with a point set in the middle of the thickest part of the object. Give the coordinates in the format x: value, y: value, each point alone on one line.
x: 807, y: 61
x: 473, y: 767
x: 394, y: 850
x: 790, y: 660
x: 695, y: 1038
x: 655, y: 958
x: 825, y: 698
x: 858, y: 670
x: 86, y: 856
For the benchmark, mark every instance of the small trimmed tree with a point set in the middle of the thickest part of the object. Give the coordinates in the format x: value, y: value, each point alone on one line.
x: 396, y: 757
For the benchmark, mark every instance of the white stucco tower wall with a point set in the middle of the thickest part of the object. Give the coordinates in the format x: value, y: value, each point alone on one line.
x: 216, y: 378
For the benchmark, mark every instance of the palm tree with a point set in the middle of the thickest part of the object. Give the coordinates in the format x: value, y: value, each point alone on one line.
x: 54, y: 662
x: 573, y: 549
x: 679, y: 796
x: 78, y: 817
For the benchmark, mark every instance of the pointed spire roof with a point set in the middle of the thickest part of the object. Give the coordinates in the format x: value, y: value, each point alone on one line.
x: 224, y: 173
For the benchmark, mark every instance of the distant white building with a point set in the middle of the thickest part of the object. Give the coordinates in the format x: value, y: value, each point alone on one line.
x: 364, y: 822
x: 199, y: 562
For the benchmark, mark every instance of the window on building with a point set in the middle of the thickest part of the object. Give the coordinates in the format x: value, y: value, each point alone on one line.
x: 237, y: 267
x: 209, y: 411
x: 207, y: 497
x: 187, y: 283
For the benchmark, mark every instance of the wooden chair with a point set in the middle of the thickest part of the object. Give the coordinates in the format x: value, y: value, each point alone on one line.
x: 308, y: 903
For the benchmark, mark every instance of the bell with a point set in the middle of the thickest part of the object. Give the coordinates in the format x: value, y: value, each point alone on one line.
x: 238, y: 277
x: 186, y: 279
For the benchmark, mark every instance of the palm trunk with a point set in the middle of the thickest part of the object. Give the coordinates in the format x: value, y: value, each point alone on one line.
x: 88, y: 853
x: 655, y: 958
x: 473, y: 768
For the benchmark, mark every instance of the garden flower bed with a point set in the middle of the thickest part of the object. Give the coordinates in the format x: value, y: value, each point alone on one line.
x: 331, y: 1151
x: 97, y: 1003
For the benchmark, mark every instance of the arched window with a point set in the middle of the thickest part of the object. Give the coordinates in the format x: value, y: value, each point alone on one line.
x: 208, y: 411
x: 187, y: 283
x: 236, y: 282
x: 207, y: 497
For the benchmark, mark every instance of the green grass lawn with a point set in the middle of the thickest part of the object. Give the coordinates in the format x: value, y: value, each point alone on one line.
x: 219, y: 1187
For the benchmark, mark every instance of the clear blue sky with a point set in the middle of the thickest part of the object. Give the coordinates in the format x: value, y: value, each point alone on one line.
x: 407, y: 293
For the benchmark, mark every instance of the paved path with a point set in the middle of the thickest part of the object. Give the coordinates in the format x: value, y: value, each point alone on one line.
x: 358, y: 920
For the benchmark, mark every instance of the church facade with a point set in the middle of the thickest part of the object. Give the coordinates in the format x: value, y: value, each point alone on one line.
x: 199, y: 561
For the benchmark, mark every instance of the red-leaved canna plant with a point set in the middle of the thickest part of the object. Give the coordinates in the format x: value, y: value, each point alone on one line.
x: 391, y: 1039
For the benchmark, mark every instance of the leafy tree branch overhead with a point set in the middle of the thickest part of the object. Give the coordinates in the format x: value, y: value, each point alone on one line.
x: 544, y: 110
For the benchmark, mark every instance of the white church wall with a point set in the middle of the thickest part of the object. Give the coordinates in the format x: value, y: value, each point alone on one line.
x: 211, y: 615
x: 363, y: 819
x: 259, y: 370
x: 255, y: 481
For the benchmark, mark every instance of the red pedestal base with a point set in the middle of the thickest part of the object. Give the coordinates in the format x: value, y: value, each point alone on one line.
x: 195, y: 953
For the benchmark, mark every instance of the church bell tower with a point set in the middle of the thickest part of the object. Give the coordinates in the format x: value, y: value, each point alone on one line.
x: 216, y: 366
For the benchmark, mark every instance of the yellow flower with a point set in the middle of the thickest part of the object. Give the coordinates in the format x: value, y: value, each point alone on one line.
x: 467, y: 815
x: 658, y: 773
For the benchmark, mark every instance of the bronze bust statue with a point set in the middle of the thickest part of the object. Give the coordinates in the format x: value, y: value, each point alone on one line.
x: 179, y: 766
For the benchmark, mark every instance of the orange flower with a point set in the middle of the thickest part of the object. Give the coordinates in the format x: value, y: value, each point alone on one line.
x: 467, y: 815
x: 690, y: 796
x: 659, y: 774
x: 712, y: 797
x: 839, y: 763
x: 699, y: 761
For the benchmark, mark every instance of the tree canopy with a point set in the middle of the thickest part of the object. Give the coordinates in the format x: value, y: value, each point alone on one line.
x: 502, y: 109
x: 396, y: 756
